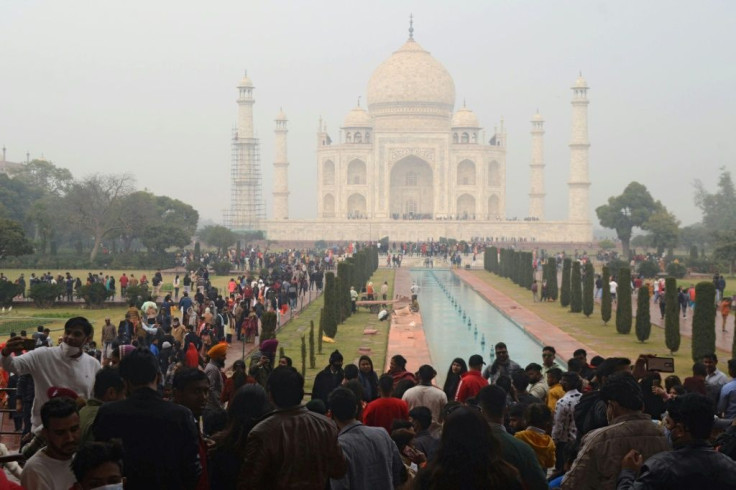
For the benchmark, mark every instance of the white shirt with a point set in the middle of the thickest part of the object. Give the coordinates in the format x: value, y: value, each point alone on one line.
x: 426, y: 396
x: 716, y: 379
x: 44, y: 473
x: 613, y: 285
x: 49, y: 367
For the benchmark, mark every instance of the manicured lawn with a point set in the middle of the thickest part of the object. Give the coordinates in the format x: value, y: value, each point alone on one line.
x: 349, y: 336
x: 593, y: 333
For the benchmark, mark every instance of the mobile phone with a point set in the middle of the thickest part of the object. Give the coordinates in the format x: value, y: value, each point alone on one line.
x: 29, y: 344
x: 661, y: 364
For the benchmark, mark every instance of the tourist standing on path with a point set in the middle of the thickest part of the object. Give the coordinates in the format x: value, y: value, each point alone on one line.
x: 329, y: 378
x: 472, y: 381
x: 725, y: 311
x: 382, y: 411
x: 452, y: 380
x: 425, y: 394
x: 502, y: 366
x: 564, y: 430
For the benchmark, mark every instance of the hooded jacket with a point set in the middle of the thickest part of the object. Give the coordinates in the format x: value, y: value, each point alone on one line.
x: 541, y: 443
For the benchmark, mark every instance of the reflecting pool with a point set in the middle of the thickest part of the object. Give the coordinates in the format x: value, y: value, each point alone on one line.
x: 458, y: 322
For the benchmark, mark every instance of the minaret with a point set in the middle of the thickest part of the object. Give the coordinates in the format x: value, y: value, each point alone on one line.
x: 246, y: 206
x: 280, y: 171
x: 579, y: 182
x: 536, y: 194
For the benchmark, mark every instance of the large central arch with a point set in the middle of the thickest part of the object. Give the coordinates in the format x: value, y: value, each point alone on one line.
x: 412, y: 189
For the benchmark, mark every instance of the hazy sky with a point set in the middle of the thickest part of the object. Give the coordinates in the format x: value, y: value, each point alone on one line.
x: 148, y: 87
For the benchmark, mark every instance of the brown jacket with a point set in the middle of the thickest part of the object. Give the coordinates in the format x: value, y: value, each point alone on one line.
x: 292, y: 448
x: 599, y: 460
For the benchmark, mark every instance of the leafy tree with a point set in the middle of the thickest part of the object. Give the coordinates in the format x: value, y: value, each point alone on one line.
x: 632, y: 209
x: 13, y: 239
x: 15, y: 198
x: 623, y: 301
x: 158, y: 238
x: 726, y: 247
x: 606, y: 244
x: 45, y: 176
x: 565, y: 289
x: 588, y: 289
x: 218, y: 236
x: 93, y: 206
x: 606, y: 301
x: 719, y: 208
x: 643, y: 316
x: 704, y: 320
x: 664, y: 230
x: 671, y: 315
x: 695, y: 236
x: 576, y: 293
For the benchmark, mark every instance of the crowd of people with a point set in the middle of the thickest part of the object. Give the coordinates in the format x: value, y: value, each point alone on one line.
x: 151, y: 415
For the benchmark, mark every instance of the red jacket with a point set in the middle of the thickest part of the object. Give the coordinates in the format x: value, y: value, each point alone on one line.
x: 470, y: 384
x: 382, y: 412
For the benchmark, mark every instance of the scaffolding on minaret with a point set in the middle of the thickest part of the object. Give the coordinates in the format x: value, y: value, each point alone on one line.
x: 247, y: 208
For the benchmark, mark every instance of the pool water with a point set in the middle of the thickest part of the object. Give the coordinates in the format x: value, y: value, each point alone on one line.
x: 458, y: 322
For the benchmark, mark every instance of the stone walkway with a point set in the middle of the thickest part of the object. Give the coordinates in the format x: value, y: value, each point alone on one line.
x: 544, y: 332
x: 406, y: 336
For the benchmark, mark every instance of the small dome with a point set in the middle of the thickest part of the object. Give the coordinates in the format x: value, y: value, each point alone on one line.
x: 580, y: 82
x: 537, y: 118
x: 358, y: 118
x: 281, y: 116
x: 465, y: 118
x: 246, y: 82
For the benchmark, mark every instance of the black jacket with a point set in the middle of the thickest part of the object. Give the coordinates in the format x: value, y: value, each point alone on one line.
x: 160, y: 440
x: 691, y: 466
x: 325, y: 382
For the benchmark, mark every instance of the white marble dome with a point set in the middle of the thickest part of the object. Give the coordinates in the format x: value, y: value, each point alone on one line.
x: 410, y: 79
x: 357, y: 118
x: 246, y: 82
x: 465, y: 118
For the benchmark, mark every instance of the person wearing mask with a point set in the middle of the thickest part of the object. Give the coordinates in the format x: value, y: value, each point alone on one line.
x: 693, y: 463
x: 98, y: 465
x: 65, y: 365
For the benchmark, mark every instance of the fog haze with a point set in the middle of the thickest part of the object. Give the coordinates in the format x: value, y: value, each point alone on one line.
x: 149, y: 87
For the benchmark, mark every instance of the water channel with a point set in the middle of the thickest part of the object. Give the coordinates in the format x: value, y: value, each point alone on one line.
x: 458, y: 322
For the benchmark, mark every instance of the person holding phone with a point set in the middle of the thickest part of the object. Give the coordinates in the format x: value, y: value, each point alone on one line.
x: 65, y: 365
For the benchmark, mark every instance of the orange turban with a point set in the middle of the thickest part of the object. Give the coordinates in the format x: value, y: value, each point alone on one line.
x: 218, y: 351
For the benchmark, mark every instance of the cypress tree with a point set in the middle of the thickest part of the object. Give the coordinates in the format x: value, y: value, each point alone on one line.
x: 671, y: 315
x: 268, y: 325
x: 312, y: 358
x: 623, y: 302
x: 565, y: 289
x: 704, y: 321
x: 331, y: 307
x: 304, y: 357
x: 552, y: 289
x: 576, y: 293
x: 605, y: 296
x: 321, y: 330
x: 643, y: 318
x: 588, y: 289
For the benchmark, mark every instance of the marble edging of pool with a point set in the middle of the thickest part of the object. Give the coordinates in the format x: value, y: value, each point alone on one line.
x: 540, y: 330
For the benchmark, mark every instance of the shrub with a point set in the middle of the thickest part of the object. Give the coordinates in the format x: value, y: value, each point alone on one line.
x: 268, y: 325
x: 138, y: 295
x: 588, y: 289
x: 605, y: 296
x: 194, y: 265
x: 322, y: 245
x: 675, y: 269
x: 704, y: 321
x: 576, y: 293
x: 94, y: 295
x: 8, y: 291
x: 607, y: 244
x: 623, y: 302
x: 643, y: 319
x: 44, y: 294
x: 615, y: 265
x: 648, y: 269
x: 222, y: 268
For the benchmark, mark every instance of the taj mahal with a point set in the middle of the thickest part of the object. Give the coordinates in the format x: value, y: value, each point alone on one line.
x: 409, y: 166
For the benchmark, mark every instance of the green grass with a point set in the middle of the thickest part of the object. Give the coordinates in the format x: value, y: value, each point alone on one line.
x: 349, y: 336
x: 591, y: 331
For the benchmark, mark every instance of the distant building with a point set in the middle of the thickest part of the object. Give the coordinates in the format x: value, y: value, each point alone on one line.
x: 9, y: 168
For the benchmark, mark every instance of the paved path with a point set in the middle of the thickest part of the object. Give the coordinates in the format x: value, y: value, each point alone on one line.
x: 406, y: 336
x: 544, y: 332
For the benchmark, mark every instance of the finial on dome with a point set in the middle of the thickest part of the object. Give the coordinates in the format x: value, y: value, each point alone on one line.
x: 411, y: 26
x: 359, y: 101
x: 464, y: 103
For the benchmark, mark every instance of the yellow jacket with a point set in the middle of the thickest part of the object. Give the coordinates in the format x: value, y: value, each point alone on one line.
x: 541, y: 443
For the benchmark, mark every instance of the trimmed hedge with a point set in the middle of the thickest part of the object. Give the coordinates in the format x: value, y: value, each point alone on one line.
x: 671, y: 315
x: 623, y: 301
x: 643, y: 319
x: 606, y: 301
x: 704, y: 321
x: 576, y: 292
x: 588, y: 289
